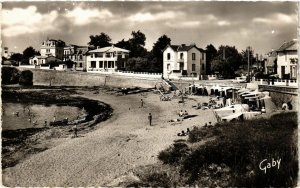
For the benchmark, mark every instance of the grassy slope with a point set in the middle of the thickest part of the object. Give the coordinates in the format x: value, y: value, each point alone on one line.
x: 230, y: 156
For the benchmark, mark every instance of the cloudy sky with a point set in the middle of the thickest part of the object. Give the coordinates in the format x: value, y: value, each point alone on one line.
x: 262, y: 25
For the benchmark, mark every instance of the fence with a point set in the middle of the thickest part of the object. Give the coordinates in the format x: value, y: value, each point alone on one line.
x: 277, y: 82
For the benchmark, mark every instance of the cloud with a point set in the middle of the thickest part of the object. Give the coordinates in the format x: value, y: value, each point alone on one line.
x: 147, y: 16
x: 80, y: 16
x: 21, y: 21
x: 183, y: 24
x: 223, y: 23
x: 277, y: 18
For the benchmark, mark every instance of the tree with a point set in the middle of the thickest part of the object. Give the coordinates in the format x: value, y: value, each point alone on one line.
x: 102, y: 40
x: 137, y: 43
x: 211, y: 53
x: 28, y: 53
x: 157, y: 53
x: 227, y: 61
x: 138, y: 64
x: 123, y: 44
x: 16, y: 57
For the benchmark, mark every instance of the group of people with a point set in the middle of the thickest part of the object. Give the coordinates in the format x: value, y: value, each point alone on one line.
x: 183, y: 114
x: 182, y: 133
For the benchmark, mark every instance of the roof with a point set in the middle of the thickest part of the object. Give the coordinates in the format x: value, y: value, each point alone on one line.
x: 183, y: 48
x: 289, y: 46
x: 39, y: 57
x: 109, y: 49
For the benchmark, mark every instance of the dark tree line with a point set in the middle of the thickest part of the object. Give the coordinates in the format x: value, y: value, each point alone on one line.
x: 226, y: 60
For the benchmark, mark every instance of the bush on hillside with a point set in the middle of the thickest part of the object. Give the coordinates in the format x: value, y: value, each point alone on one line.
x: 174, y: 154
x: 10, y: 75
x: 233, y: 158
x: 26, y: 78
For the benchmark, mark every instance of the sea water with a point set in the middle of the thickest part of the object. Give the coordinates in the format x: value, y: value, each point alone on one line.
x: 34, y: 116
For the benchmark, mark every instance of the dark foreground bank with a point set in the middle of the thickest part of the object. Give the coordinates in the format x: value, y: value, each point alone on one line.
x: 256, y: 153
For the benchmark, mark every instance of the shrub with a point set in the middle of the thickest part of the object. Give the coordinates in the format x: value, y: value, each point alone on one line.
x: 174, y: 153
x: 242, y: 146
x: 10, y: 75
x: 26, y: 78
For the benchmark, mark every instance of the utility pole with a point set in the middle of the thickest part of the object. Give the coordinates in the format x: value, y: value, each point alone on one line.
x: 248, y: 50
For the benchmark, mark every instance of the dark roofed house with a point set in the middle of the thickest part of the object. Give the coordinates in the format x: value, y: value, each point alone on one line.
x: 183, y: 60
x: 287, y: 59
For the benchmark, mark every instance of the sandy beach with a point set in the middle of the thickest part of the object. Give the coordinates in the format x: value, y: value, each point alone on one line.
x: 123, y: 142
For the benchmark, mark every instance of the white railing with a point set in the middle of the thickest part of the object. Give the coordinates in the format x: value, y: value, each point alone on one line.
x: 277, y: 82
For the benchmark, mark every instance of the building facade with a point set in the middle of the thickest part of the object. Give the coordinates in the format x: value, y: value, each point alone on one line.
x: 53, y: 47
x: 287, y: 60
x: 41, y: 60
x: 182, y: 60
x: 270, y: 63
x: 107, y: 59
x: 76, y: 54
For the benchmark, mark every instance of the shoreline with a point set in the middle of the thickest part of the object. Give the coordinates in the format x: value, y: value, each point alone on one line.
x: 123, y: 142
x: 19, y: 144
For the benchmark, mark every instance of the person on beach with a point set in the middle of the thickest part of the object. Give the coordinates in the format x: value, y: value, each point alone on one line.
x: 75, y: 130
x: 150, y: 118
x: 180, y: 113
x: 45, y: 123
x: 142, y: 103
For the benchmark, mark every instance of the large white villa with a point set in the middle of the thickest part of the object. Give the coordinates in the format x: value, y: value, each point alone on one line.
x: 183, y: 60
x: 107, y: 59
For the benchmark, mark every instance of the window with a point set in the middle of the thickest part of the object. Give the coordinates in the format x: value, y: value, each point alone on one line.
x: 123, y: 64
x: 107, y: 55
x: 168, y: 67
x: 193, y: 67
x: 181, y: 66
x: 193, y: 56
x: 80, y: 57
x: 47, y: 50
x: 93, y: 64
x: 112, y: 64
x: 80, y: 64
x: 100, y: 64
x: 109, y: 64
x: 181, y: 55
x: 202, y: 56
x: 168, y: 56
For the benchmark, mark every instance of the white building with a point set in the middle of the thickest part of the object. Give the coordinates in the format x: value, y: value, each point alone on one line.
x: 287, y: 60
x: 107, y: 59
x: 41, y: 60
x: 53, y: 47
x: 182, y: 60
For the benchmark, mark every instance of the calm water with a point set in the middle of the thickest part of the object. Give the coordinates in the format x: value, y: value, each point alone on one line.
x: 35, y: 115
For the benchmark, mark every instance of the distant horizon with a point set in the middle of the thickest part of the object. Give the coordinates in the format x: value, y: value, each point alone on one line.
x: 262, y: 25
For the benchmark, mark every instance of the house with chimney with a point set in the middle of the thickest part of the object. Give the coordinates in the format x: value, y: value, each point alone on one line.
x: 107, y: 59
x: 183, y: 60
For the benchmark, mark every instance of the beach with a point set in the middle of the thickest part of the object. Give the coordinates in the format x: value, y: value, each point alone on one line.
x: 119, y: 144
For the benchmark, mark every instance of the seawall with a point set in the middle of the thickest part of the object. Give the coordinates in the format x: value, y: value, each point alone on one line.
x: 68, y: 78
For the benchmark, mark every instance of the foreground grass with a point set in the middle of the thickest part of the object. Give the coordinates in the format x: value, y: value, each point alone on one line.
x: 232, y: 158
